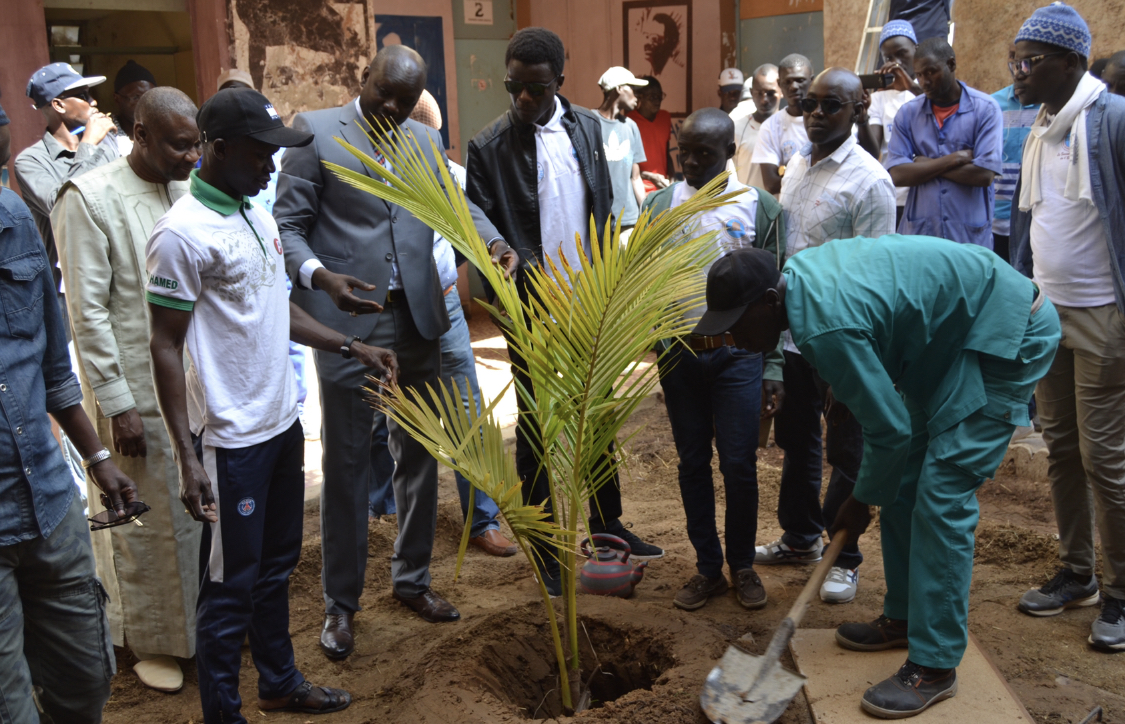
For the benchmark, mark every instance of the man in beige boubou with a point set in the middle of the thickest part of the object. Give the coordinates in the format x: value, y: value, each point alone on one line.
x: 102, y: 221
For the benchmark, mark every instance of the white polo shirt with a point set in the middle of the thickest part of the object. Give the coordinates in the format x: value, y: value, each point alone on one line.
x: 221, y: 259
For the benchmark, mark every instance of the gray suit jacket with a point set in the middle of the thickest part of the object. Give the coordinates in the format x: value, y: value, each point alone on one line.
x: 353, y: 232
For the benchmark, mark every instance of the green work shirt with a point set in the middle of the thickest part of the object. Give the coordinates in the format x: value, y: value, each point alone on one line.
x: 899, y: 316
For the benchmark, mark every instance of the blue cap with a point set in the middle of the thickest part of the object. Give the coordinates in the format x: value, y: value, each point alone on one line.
x: 1060, y: 25
x: 3, y: 117
x: 895, y: 28
x: 51, y: 81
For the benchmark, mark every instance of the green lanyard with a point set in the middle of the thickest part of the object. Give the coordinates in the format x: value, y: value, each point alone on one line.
x: 242, y: 210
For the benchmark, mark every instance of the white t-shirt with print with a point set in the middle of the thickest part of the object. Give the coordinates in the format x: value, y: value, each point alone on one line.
x: 885, y: 105
x: 1072, y: 263
x: 733, y: 222
x: 564, y: 200
x: 746, y: 131
x: 780, y: 138
x: 240, y: 386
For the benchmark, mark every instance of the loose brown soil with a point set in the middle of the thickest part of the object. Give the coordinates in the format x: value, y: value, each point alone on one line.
x: 496, y: 665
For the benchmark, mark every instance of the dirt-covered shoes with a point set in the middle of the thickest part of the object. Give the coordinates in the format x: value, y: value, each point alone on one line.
x: 1065, y: 590
x: 910, y: 692
x: 749, y: 589
x: 777, y: 552
x: 878, y: 635
x: 699, y: 590
x: 1107, y: 632
x: 840, y: 586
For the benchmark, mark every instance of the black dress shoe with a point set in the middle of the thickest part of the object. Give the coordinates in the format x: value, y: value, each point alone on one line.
x: 336, y: 638
x: 429, y: 606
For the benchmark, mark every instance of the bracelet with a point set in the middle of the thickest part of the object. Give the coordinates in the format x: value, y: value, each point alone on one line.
x: 96, y: 458
x: 346, y: 348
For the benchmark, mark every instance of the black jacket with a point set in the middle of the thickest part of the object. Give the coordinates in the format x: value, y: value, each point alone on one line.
x: 502, y: 177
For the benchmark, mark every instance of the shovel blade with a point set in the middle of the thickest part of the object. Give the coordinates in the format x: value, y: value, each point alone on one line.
x: 746, y: 689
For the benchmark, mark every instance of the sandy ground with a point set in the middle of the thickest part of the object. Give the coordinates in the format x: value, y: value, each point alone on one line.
x: 495, y: 664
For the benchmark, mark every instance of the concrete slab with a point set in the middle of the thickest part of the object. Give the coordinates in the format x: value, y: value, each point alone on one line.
x: 837, y: 679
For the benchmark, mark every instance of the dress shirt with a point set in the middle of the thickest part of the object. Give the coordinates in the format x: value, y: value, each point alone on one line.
x: 36, y: 486
x: 941, y: 207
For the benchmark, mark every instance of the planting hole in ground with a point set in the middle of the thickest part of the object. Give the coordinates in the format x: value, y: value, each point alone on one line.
x: 615, y: 660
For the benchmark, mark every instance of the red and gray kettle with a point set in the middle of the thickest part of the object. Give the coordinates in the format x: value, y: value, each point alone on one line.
x: 607, y: 570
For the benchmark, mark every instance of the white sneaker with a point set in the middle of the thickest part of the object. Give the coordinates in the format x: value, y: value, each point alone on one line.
x: 777, y: 552
x: 840, y: 585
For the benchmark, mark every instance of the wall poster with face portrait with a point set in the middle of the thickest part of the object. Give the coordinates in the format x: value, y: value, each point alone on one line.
x: 658, y: 43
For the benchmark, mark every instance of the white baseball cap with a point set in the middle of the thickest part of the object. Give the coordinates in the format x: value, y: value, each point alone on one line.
x: 617, y: 76
x: 731, y: 76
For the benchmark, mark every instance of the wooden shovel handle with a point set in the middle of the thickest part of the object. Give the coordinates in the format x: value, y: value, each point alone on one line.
x: 813, y: 586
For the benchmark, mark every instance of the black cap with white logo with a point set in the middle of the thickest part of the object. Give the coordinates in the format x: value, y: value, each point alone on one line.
x: 236, y: 112
x: 734, y: 283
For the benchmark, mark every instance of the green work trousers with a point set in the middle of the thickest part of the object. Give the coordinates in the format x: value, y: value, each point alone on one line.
x: 928, y: 532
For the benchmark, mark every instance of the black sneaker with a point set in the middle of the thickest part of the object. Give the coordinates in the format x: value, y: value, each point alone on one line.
x: 910, y: 692
x: 1065, y: 590
x: 698, y: 591
x: 548, y: 567
x: 639, y: 550
x: 878, y: 635
x: 1107, y: 632
x: 749, y: 589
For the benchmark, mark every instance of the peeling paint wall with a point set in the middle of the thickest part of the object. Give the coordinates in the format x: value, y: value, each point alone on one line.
x: 303, y: 54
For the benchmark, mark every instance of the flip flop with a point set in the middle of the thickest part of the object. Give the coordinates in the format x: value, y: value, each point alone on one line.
x: 334, y: 700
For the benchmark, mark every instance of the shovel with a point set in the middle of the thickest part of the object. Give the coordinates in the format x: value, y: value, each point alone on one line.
x: 749, y: 689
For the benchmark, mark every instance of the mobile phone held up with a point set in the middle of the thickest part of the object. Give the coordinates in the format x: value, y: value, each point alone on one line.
x: 877, y: 81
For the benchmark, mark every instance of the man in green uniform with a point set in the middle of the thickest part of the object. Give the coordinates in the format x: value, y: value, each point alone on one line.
x: 935, y: 347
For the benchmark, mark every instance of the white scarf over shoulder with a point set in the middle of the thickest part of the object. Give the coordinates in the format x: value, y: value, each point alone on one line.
x: 1071, y: 121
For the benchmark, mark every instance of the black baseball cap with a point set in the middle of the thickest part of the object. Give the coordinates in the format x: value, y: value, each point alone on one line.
x: 736, y: 281
x: 237, y: 112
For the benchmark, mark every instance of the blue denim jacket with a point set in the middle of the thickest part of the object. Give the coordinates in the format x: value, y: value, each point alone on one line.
x: 36, y: 486
x: 1105, y: 131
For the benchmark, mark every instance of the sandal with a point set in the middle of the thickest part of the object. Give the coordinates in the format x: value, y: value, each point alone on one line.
x: 334, y: 700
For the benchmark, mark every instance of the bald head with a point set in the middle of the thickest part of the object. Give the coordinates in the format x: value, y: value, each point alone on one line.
x: 706, y: 143
x: 392, y: 85
x: 161, y: 104
x: 841, y: 81
x: 166, y: 138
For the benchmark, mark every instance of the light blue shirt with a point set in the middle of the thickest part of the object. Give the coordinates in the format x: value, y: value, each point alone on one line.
x: 1017, y: 126
x: 941, y: 207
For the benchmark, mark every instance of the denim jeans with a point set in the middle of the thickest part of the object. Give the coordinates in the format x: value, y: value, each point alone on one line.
x: 716, y: 394
x: 458, y: 366
x: 797, y: 432
x: 53, y: 628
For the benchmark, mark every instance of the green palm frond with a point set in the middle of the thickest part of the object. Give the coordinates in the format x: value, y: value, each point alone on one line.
x: 580, y: 330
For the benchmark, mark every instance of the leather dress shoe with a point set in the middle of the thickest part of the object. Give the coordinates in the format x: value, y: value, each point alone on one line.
x: 336, y: 638
x: 430, y: 606
x: 495, y: 544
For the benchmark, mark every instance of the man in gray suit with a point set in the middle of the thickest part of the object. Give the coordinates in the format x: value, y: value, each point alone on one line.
x: 331, y: 230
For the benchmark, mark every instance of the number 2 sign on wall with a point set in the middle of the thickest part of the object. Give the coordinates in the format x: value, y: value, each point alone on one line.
x: 478, y: 12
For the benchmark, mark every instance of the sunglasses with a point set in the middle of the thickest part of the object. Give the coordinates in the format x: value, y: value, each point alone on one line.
x: 1023, y: 67
x: 110, y: 518
x: 535, y: 90
x: 828, y: 105
x: 83, y: 94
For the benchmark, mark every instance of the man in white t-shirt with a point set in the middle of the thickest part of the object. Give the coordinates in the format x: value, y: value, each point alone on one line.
x: 621, y: 140
x: 897, y: 45
x: 1067, y: 230
x: 783, y: 134
x: 765, y: 97
x: 216, y: 285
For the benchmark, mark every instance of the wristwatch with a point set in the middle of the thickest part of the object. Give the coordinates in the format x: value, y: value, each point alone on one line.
x: 346, y: 348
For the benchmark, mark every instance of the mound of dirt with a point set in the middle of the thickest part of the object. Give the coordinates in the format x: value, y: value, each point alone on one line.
x: 1008, y: 545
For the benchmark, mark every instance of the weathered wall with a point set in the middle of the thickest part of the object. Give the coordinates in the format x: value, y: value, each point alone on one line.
x: 23, y: 49
x: 982, y: 31
x: 843, y: 25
